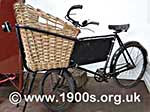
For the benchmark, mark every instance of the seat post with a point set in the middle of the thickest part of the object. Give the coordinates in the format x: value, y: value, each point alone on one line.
x: 117, y: 31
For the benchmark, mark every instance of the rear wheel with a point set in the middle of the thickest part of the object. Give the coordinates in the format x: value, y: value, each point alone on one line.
x: 129, y: 78
x: 55, y: 84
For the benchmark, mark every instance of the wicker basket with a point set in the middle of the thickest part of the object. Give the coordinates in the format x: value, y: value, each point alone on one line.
x: 44, y: 51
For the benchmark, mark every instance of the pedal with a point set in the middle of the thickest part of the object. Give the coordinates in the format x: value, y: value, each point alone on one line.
x: 100, y: 76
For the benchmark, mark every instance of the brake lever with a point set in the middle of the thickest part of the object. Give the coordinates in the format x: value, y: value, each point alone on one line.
x: 88, y: 29
x: 94, y: 23
x: 86, y: 23
x: 73, y: 14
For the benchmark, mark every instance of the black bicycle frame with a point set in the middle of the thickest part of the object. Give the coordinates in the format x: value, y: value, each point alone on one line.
x: 115, y: 36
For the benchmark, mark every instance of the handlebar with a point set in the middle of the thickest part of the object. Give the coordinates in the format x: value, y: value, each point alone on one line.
x: 76, y: 23
x: 75, y: 7
x: 67, y: 17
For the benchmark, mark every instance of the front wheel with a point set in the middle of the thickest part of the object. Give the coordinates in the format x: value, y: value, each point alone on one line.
x: 131, y: 77
x: 55, y: 83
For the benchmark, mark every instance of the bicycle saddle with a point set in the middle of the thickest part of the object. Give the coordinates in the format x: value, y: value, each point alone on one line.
x: 119, y: 28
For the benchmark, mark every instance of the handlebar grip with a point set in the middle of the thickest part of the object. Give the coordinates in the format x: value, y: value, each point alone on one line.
x: 74, y: 22
x: 76, y: 7
x: 94, y: 23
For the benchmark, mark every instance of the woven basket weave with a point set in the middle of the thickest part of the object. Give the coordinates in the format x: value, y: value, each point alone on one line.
x: 44, y: 51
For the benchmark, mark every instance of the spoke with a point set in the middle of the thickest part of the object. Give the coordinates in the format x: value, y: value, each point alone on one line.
x: 137, y: 57
x: 122, y: 74
x: 139, y: 61
x: 131, y: 50
x: 50, y: 82
x: 133, y: 56
x: 56, y: 78
x: 135, y: 71
x: 138, y: 52
x: 129, y: 73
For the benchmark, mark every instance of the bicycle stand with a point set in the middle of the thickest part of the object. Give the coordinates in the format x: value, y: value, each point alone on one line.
x: 29, y: 89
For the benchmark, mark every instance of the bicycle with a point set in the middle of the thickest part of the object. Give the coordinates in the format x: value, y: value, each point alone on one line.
x: 87, y: 50
x: 94, y: 49
x: 91, y: 57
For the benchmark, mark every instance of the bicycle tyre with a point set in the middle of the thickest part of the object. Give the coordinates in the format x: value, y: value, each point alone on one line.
x: 117, y: 55
x: 70, y: 86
